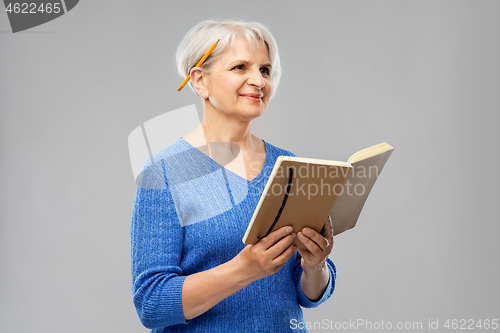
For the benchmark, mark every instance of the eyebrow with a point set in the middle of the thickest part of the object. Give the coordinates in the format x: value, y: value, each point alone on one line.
x: 241, y: 61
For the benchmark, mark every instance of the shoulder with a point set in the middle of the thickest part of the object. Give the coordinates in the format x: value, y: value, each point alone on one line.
x: 178, y: 147
x: 154, y: 169
x: 175, y: 152
x: 275, y: 151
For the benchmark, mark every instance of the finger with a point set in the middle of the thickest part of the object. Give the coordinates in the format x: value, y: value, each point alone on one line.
x: 281, y: 246
x: 275, y: 236
x: 310, y: 245
x: 281, y: 260
x: 328, y: 228
x: 309, y: 260
x: 316, y: 237
x: 328, y: 231
x: 304, y: 253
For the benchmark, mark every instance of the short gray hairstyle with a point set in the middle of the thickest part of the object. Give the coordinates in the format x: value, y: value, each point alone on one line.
x: 199, y: 39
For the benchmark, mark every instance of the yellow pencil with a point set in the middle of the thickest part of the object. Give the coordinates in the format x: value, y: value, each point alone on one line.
x: 199, y: 64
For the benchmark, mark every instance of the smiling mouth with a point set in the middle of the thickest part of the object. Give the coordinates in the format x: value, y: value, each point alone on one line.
x: 253, y: 97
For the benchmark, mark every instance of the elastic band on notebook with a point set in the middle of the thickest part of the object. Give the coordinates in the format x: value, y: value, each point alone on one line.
x: 290, y: 178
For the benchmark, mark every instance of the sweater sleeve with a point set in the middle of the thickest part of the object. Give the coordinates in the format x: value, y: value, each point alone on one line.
x: 156, y: 247
x: 302, y: 298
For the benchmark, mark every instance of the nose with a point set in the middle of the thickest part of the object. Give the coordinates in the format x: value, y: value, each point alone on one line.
x: 255, y: 79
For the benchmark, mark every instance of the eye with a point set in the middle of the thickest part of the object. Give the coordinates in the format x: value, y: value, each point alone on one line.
x: 239, y: 67
x: 265, y: 71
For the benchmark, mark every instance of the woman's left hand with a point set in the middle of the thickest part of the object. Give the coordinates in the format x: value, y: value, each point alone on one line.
x: 319, y: 246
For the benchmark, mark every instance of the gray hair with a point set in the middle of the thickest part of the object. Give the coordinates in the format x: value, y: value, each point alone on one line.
x: 199, y: 39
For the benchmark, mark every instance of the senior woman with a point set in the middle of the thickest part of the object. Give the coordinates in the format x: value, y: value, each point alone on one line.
x: 190, y: 270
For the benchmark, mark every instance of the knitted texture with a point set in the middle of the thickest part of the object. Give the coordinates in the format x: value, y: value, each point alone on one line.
x: 190, y: 215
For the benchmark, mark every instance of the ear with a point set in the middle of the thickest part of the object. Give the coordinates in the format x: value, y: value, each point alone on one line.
x: 198, y: 80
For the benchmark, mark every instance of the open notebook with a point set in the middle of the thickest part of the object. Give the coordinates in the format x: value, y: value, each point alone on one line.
x: 302, y: 192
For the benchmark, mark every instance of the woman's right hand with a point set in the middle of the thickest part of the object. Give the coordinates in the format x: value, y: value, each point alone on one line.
x: 267, y: 256
x: 203, y: 290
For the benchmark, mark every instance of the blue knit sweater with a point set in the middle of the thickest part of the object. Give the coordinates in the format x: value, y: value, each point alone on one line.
x: 190, y: 215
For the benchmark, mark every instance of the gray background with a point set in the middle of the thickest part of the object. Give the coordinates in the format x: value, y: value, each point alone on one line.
x: 420, y: 75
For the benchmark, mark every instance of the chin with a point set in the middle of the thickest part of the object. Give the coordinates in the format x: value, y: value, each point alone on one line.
x: 251, y: 114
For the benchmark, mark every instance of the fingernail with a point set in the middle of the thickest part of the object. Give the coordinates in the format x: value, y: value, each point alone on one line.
x: 306, y: 231
x: 289, y: 229
x: 300, y: 235
x: 293, y: 234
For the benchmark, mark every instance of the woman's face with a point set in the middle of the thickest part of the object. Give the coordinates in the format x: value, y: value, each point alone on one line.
x: 239, y: 84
